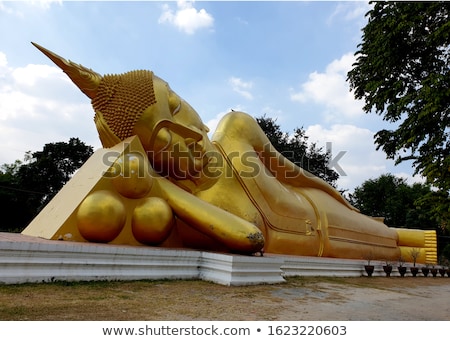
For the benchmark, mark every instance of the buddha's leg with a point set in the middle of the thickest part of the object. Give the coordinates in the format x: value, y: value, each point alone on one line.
x: 350, y: 234
x: 421, y: 242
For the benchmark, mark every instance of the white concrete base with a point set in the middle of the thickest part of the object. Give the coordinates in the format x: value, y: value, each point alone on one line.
x: 29, y: 259
x: 230, y: 269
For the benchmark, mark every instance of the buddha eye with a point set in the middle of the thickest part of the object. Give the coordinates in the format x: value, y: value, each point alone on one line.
x: 174, y: 102
x: 176, y: 110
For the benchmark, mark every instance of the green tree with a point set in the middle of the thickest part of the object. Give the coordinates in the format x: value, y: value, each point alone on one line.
x: 296, y: 149
x: 402, y: 72
x: 13, y: 212
x: 25, y: 187
x: 391, y: 197
x: 446, y: 252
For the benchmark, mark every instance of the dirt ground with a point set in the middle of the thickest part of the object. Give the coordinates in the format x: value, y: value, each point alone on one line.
x: 299, y: 299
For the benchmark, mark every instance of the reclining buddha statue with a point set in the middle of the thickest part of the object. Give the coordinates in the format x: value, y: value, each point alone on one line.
x: 160, y: 180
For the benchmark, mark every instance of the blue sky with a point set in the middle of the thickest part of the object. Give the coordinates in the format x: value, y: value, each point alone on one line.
x: 286, y: 60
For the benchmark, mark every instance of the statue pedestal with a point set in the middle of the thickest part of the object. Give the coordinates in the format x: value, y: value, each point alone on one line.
x: 26, y: 259
x: 31, y: 259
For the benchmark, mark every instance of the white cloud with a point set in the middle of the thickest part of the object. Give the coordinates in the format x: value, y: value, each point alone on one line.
x: 186, y: 18
x: 353, y: 151
x: 242, y: 21
x: 3, y: 60
x: 274, y: 113
x: 29, y: 75
x: 350, y: 11
x: 11, y: 9
x: 241, y: 87
x: 14, y: 103
x: 410, y: 179
x: 331, y: 90
x: 45, y: 4
x: 39, y: 105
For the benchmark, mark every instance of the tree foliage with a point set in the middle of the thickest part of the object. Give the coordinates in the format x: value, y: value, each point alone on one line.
x: 446, y: 254
x: 295, y: 148
x: 25, y: 187
x: 402, y: 72
x: 401, y: 205
x: 391, y: 197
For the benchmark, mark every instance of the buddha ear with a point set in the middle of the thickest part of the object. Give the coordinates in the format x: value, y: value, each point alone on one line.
x: 107, y: 136
x: 86, y: 79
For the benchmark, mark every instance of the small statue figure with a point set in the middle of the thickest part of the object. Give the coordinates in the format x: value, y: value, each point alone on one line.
x: 232, y: 193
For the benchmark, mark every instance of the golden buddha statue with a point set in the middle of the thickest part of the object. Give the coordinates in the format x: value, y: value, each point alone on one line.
x: 170, y: 185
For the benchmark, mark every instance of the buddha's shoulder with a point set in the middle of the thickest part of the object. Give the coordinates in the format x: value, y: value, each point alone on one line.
x: 236, y: 124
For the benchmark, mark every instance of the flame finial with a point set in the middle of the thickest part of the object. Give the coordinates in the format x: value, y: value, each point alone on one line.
x: 86, y: 79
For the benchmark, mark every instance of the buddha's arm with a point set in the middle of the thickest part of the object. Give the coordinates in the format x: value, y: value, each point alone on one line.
x: 232, y: 231
x: 241, y: 131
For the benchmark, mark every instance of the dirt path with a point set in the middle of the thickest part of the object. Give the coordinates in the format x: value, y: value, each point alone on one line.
x: 299, y: 299
x: 379, y: 300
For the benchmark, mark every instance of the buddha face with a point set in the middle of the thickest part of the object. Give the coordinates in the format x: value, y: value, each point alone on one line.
x: 139, y: 103
x: 173, y: 135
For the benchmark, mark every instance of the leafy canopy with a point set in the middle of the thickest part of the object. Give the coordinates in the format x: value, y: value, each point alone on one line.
x: 402, y: 72
x: 25, y: 187
x: 392, y: 198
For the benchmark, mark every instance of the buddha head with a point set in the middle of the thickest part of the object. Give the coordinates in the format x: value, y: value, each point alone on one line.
x: 140, y: 103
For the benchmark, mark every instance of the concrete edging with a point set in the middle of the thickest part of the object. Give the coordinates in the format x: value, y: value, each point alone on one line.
x: 25, y: 259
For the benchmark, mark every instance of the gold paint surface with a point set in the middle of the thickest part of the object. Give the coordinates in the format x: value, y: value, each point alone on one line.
x: 101, y: 217
x: 161, y: 180
x: 130, y: 176
x: 152, y: 221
